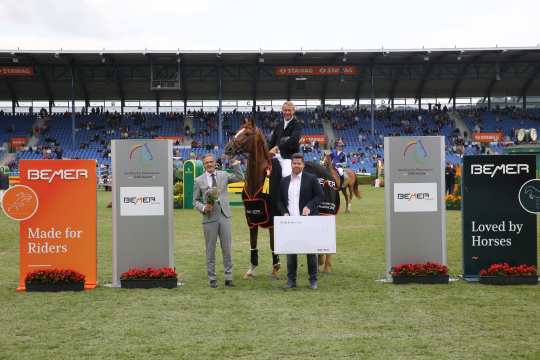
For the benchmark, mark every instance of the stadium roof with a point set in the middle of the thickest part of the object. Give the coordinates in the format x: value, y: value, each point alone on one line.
x: 126, y: 75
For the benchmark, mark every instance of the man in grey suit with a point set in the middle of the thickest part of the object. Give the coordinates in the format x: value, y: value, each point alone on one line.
x: 216, y: 215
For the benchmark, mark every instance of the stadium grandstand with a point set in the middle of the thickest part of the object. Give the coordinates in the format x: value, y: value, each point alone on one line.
x: 58, y: 104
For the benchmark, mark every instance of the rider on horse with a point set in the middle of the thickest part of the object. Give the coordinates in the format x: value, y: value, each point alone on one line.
x: 339, y: 161
x: 285, y: 138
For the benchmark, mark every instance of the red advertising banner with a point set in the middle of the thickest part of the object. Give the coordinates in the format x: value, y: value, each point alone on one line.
x: 18, y: 142
x: 173, y: 138
x: 56, y: 204
x: 488, y: 136
x: 321, y: 138
x: 16, y: 71
x: 315, y: 70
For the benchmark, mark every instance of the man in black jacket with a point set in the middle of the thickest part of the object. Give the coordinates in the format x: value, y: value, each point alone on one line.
x: 285, y: 137
x: 300, y: 194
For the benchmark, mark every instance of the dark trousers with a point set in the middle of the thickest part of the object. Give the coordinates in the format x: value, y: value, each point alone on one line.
x: 292, y: 265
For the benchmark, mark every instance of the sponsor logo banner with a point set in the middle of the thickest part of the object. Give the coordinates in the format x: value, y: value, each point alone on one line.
x: 488, y: 136
x: 142, y: 201
x: 61, y: 232
x: 18, y: 142
x: 16, y: 71
x: 315, y: 70
x: 499, y: 221
x: 321, y: 138
x: 415, y: 197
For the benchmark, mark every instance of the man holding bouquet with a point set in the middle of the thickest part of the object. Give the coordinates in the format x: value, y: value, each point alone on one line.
x: 210, y: 197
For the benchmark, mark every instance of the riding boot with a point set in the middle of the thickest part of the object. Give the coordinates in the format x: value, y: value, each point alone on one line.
x: 341, y: 181
x: 255, y: 257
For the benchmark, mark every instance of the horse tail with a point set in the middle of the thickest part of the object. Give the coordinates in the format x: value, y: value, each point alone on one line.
x: 356, y: 190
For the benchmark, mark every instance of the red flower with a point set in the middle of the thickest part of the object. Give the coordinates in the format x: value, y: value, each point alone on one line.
x: 426, y: 269
x: 54, y: 276
x: 504, y: 269
x: 149, y: 273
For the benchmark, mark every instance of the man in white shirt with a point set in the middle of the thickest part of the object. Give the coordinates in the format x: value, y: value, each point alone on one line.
x: 300, y: 195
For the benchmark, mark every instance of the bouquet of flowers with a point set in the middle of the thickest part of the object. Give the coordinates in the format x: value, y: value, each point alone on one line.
x: 212, y: 195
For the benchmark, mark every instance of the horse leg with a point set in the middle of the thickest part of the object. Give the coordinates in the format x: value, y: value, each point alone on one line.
x: 321, y: 260
x: 275, y: 258
x: 344, y: 191
x: 254, y: 253
x: 328, y: 263
x: 349, y: 204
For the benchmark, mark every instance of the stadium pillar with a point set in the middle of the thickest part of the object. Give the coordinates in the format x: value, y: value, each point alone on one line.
x: 454, y: 103
x: 13, y: 104
x: 72, y: 108
x: 157, y: 107
x: 419, y: 104
x: 185, y: 107
x: 372, y: 104
x: 220, y: 110
x: 392, y: 103
x: 489, y: 102
x: 524, y: 102
x: 50, y: 106
x: 122, y: 105
x: 323, y: 104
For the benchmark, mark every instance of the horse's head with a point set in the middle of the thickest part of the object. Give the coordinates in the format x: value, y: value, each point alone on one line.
x: 242, y: 140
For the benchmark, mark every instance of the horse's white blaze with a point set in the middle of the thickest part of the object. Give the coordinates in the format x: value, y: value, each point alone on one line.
x: 239, y: 132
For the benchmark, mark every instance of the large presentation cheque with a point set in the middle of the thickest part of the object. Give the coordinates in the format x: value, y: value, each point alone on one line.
x: 305, y: 234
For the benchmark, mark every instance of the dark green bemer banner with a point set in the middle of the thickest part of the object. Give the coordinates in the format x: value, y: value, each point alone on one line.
x: 496, y: 227
x: 192, y: 169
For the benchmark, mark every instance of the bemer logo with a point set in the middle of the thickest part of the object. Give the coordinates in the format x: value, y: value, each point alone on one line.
x: 63, y: 174
x: 139, y: 200
x: 505, y: 169
x: 413, y: 196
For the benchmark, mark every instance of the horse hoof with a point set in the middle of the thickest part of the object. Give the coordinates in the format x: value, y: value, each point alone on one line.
x: 275, y: 270
x: 248, y: 275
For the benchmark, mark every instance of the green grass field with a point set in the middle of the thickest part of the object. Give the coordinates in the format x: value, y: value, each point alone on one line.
x: 349, y: 316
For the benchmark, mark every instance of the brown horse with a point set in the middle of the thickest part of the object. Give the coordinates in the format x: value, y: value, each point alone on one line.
x: 350, y: 184
x: 250, y: 140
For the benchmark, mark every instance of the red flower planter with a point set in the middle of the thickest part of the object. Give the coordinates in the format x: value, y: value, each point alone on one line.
x: 149, y: 283
x: 509, y: 280
x: 148, y: 278
x: 436, y: 279
x: 54, y: 287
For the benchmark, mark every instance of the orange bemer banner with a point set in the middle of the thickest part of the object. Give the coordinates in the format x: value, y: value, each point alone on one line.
x: 62, y: 231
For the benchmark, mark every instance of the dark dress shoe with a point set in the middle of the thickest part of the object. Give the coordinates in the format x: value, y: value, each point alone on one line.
x: 313, y: 285
x: 213, y: 284
x: 229, y: 283
x: 289, y: 285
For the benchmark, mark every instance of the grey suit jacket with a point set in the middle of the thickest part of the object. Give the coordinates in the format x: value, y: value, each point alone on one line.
x: 201, y: 187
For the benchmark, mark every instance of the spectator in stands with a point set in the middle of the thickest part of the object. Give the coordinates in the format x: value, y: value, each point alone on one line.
x: 450, y: 177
